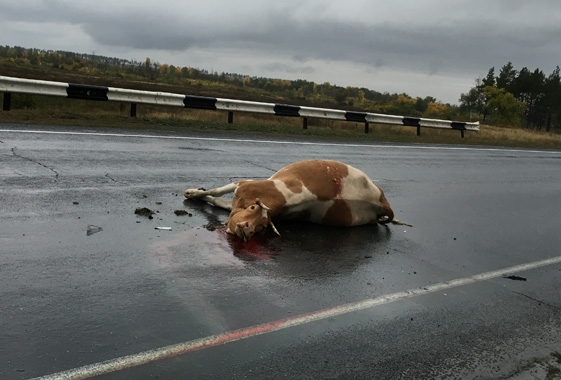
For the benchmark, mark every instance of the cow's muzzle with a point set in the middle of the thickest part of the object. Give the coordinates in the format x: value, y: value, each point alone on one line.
x: 245, y: 230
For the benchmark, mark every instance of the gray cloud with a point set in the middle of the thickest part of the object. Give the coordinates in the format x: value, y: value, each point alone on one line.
x: 290, y: 69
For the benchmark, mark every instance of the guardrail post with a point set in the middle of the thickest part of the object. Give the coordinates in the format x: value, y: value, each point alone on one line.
x: 7, y: 100
x: 133, y: 109
x: 366, y: 127
x: 462, y: 133
x: 418, y: 131
x: 230, y: 117
x: 305, y: 123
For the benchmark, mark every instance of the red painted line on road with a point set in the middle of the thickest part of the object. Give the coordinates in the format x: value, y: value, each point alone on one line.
x: 125, y: 362
x: 238, y: 335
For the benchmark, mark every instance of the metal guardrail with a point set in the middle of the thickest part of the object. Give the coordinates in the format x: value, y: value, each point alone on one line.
x: 10, y: 85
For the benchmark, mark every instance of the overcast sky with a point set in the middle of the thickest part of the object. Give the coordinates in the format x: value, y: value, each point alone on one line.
x: 423, y: 48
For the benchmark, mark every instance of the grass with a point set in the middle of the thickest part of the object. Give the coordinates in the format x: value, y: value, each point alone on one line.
x: 42, y: 110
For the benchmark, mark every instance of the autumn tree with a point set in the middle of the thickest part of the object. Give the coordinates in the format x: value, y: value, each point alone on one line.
x: 474, y: 100
x: 163, y: 68
x: 503, y: 106
x: 148, y: 70
x: 360, y: 98
x: 435, y: 109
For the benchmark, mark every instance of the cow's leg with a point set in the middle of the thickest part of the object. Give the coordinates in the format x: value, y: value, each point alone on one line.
x: 217, y: 192
x: 209, y: 195
x: 222, y: 203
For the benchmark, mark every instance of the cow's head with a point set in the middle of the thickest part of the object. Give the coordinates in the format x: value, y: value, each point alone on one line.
x: 246, y: 222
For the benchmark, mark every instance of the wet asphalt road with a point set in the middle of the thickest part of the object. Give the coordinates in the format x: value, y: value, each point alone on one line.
x: 71, y: 299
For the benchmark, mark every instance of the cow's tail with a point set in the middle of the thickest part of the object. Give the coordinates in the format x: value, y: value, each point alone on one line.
x: 388, y: 216
x: 400, y: 223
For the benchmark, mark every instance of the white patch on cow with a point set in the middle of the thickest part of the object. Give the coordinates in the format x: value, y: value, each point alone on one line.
x: 304, y: 201
x: 294, y: 199
x: 362, y: 197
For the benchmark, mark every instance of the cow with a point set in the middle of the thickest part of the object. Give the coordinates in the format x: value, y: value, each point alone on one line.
x: 321, y: 191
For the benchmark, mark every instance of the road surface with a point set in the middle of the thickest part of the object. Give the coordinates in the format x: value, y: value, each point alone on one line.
x: 472, y: 291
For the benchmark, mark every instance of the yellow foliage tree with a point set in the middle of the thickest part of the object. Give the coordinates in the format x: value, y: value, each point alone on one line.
x: 435, y: 109
x: 404, y: 99
x: 360, y: 98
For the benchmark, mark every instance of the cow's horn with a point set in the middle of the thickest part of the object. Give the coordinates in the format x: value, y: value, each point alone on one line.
x: 274, y: 228
x: 263, y: 206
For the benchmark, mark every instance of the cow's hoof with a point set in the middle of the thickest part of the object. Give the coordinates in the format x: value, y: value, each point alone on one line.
x: 192, y: 193
x: 383, y: 220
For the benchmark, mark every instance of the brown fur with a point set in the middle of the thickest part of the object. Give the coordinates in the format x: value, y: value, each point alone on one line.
x: 339, y: 214
x: 265, y: 190
x: 322, y: 177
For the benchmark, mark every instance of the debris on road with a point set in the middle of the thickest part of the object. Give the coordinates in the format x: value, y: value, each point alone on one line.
x: 182, y: 213
x: 213, y: 226
x: 515, y: 278
x: 144, y: 211
x: 163, y: 228
x: 93, y: 229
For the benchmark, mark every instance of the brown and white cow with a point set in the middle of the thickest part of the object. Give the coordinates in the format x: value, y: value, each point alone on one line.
x: 320, y: 191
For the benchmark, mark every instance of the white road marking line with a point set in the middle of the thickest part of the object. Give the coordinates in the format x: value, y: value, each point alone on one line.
x: 129, y: 361
x: 460, y: 148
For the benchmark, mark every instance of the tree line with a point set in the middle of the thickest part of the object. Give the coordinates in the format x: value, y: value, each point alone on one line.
x: 521, y: 98
x: 295, y: 91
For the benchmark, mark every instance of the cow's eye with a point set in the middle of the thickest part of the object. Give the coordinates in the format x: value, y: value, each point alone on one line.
x: 252, y: 207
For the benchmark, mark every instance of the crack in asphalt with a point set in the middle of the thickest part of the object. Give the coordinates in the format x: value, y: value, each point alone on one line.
x: 537, y: 300
x: 261, y: 166
x: 35, y: 162
x: 112, y: 179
